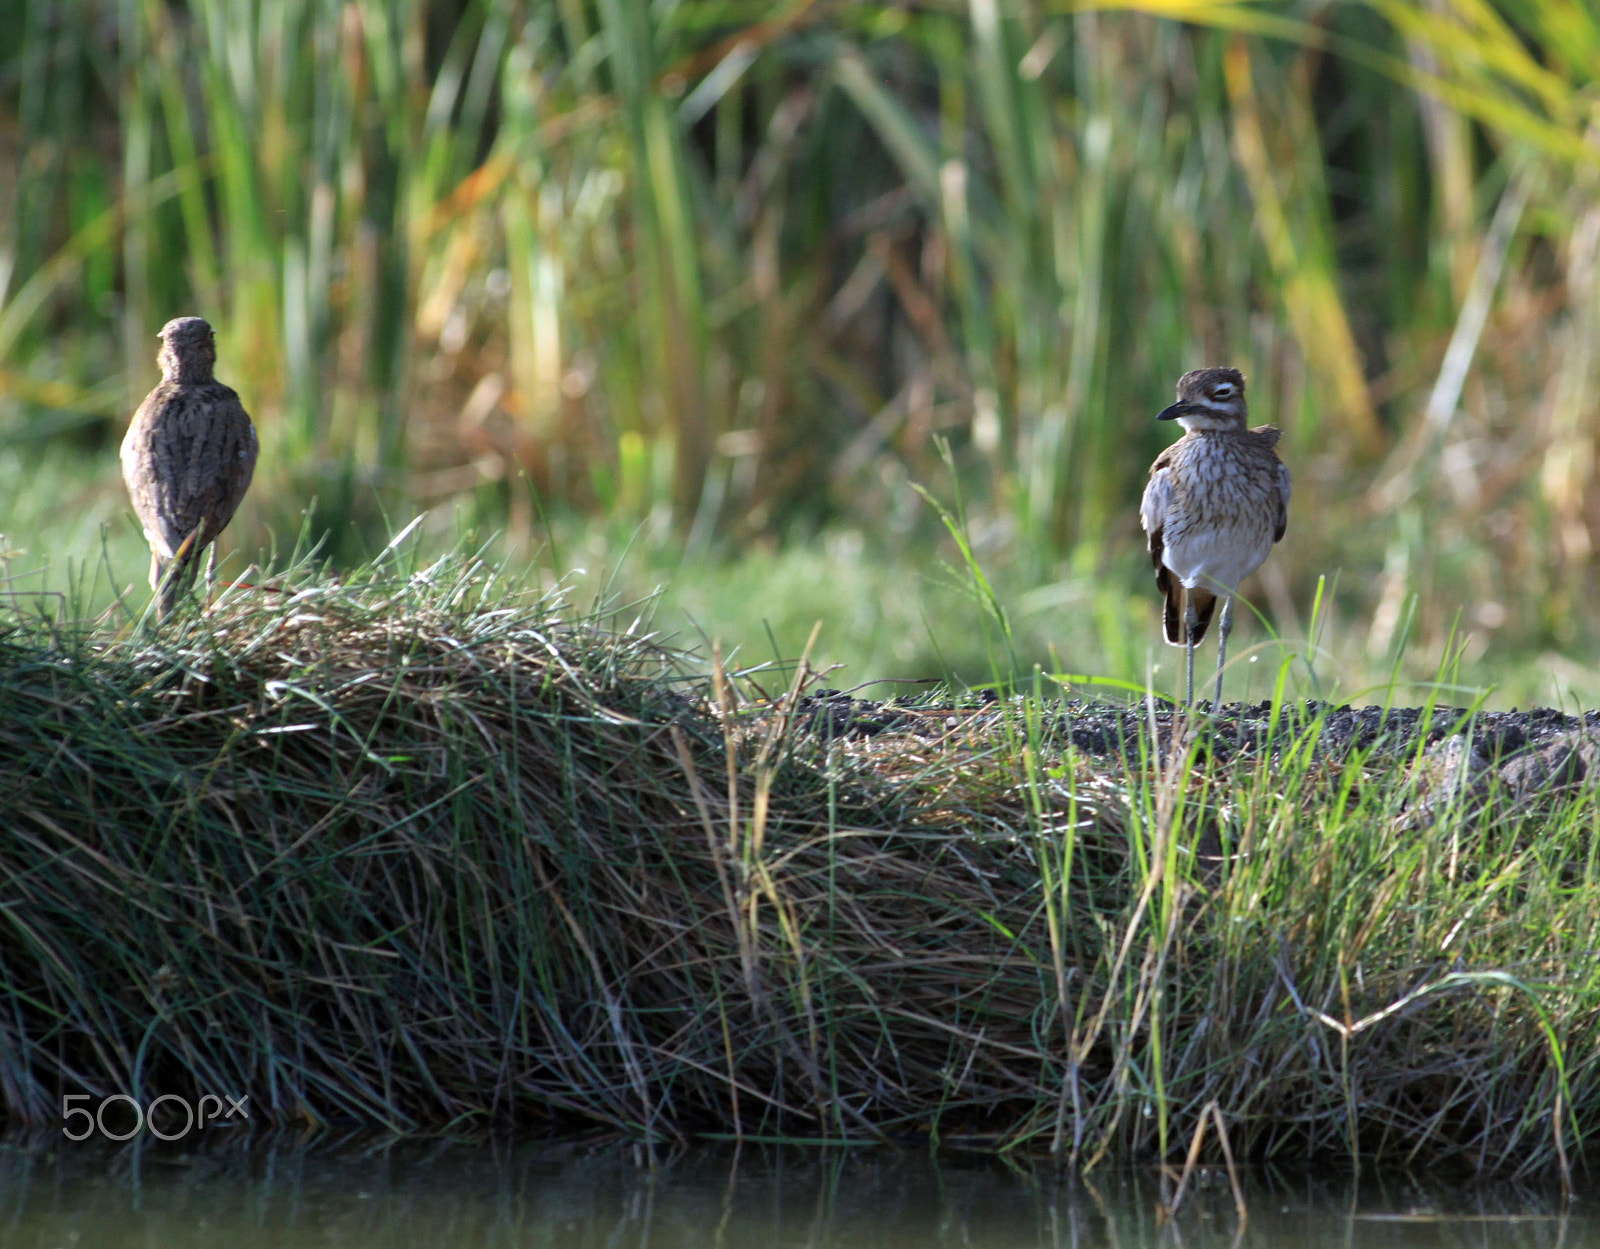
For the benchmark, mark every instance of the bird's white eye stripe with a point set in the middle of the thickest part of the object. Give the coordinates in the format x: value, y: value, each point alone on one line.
x: 1222, y: 391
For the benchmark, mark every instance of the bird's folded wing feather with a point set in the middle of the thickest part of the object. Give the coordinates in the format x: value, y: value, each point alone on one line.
x: 1153, y: 507
x: 1282, y: 521
x: 188, y: 463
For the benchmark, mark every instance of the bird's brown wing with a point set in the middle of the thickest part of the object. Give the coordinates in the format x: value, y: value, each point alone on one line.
x: 151, y: 454
x: 232, y: 446
x: 1153, y: 511
x: 187, y: 459
x: 1265, y: 438
x: 1282, y: 522
x: 1153, y: 516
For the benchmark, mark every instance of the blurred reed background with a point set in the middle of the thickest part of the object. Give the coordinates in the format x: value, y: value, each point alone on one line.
x: 690, y: 292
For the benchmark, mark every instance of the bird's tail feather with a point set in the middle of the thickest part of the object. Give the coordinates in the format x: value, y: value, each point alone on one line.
x: 169, y: 578
x: 1205, y: 603
x: 176, y: 579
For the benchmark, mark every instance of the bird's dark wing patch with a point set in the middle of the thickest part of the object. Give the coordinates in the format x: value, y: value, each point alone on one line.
x: 1205, y: 604
x: 1282, y: 521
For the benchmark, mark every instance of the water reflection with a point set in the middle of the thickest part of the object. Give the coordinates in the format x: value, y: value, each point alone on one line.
x: 395, y: 1195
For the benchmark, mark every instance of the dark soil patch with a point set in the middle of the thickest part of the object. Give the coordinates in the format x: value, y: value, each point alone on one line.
x: 1111, y: 731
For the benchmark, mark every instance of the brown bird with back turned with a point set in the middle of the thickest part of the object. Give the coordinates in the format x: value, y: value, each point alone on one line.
x: 187, y: 458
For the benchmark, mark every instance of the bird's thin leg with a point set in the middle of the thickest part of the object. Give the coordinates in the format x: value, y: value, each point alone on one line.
x: 1191, y: 623
x: 1224, y: 627
x: 161, y: 574
x: 211, y: 571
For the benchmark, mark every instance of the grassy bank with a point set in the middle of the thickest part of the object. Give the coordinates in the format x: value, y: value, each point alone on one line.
x: 416, y: 851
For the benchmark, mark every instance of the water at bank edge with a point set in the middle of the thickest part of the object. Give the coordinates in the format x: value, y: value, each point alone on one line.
x: 367, y: 1194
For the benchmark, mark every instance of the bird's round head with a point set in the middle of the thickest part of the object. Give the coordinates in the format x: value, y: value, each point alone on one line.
x: 188, y: 349
x: 1209, y: 399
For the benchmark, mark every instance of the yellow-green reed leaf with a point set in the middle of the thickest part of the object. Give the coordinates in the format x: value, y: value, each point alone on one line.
x: 1491, y: 44
x: 1310, y: 289
x: 1483, y: 96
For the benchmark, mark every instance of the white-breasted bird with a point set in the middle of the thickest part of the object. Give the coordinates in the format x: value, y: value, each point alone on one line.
x: 1216, y: 502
